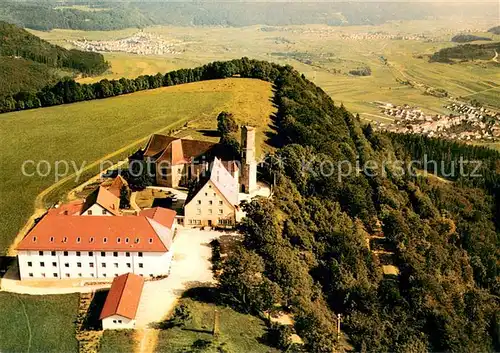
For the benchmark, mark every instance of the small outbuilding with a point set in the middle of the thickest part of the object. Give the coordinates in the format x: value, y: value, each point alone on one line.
x: 120, y: 307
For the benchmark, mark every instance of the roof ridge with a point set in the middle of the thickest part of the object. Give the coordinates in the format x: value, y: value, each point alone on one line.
x: 121, y: 294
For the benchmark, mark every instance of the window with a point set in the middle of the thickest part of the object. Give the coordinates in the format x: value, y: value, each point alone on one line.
x: 118, y: 240
x: 78, y: 253
x: 53, y: 253
x: 137, y: 240
x: 198, y: 211
x: 103, y: 254
x: 210, y: 211
x: 140, y: 254
x: 78, y: 264
x: 65, y: 239
x: 141, y: 265
x: 79, y: 275
x: 150, y: 240
x: 54, y: 264
x: 51, y: 239
x: 89, y: 212
x: 92, y: 274
x: 105, y: 240
x: 119, y: 321
x: 116, y: 264
x: 91, y: 253
x: 30, y: 264
x: 209, y: 186
x: 220, y: 203
x: 34, y: 239
x: 127, y: 254
x: 220, y: 210
x: 215, y: 194
x: 65, y: 253
x: 114, y: 321
x: 54, y: 274
x: 206, y: 194
x: 43, y: 274
x: 103, y: 265
x: 150, y: 275
x: 31, y: 274
x: 116, y: 274
x: 126, y: 240
x: 103, y: 211
x: 78, y: 239
x: 40, y: 253
x: 199, y: 202
x: 210, y: 202
x: 42, y: 264
x: 128, y: 264
x: 91, y: 264
x: 104, y: 275
x: 67, y: 274
x: 66, y: 264
x: 115, y: 254
x: 91, y: 239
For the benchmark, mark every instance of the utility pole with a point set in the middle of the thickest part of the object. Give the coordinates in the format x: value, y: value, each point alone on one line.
x: 339, y: 318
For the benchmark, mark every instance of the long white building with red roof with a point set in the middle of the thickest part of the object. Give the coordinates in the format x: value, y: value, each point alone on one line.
x: 76, y: 246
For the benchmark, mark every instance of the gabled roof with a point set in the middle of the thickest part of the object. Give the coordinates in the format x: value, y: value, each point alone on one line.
x: 164, y: 216
x: 116, y: 186
x: 73, y: 208
x: 157, y: 144
x: 97, y: 233
x: 123, y: 297
x: 103, y: 198
x: 222, y: 180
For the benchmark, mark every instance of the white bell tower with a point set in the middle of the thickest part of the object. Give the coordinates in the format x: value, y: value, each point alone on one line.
x: 248, y: 176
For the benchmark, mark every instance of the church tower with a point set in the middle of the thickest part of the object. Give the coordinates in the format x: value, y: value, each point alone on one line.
x: 248, y: 176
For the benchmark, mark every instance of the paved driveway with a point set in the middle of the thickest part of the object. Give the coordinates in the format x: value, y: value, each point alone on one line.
x: 191, y: 267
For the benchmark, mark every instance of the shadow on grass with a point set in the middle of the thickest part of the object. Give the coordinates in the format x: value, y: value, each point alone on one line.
x: 209, y: 133
x: 92, y: 322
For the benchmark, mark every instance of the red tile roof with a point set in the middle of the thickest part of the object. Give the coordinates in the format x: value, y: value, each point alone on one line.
x: 123, y: 297
x: 164, y: 216
x: 157, y: 144
x: 73, y: 208
x: 105, y: 199
x: 97, y: 233
x: 116, y: 186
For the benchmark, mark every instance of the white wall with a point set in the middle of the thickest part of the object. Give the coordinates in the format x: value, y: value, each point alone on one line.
x: 96, y: 210
x: 117, y: 322
x: 32, y: 265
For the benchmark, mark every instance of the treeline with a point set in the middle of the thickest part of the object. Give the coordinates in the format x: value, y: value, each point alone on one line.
x: 17, y: 42
x: 465, y: 38
x: 112, y: 15
x: 494, y: 30
x: 69, y: 91
x: 466, y: 52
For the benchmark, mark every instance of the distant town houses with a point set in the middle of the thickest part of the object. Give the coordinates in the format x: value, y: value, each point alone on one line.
x: 466, y: 123
x: 140, y: 43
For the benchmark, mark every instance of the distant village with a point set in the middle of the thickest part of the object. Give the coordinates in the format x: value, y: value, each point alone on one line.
x: 140, y: 43
x: 465, y: 123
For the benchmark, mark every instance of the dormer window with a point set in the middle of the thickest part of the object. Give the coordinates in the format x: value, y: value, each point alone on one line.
x: 51, y: 239
x: 78, y: 239
x: 65, y: 239
x: 137, y: 240
x: 66, y: 212
x: 34, y: 239
x: 118, y: 240
x: 91, y: 239
x: 126, y: 240
x: 150, y: 240
x: 105, y: 240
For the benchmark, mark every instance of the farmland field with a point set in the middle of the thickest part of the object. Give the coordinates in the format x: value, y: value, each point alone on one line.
x: 326, y: 55
x: 38, y: 323
x: 86, y: 132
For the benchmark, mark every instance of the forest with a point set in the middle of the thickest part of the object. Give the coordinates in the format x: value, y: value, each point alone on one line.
x: 29, y: 63
x: 466, y: 52
x: 112, y: 15
x: 465, y: 38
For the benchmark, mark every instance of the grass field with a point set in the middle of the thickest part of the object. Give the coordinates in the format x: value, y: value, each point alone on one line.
x: 238, y: 332
x: 88, y: 131
x: 113, y: 341
x: 38, y: 323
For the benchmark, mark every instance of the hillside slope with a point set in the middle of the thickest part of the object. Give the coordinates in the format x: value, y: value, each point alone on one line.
x: 28, y: 62
x: 466, y: 52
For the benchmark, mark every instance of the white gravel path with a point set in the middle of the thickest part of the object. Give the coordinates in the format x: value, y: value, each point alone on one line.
x: 191, y: 267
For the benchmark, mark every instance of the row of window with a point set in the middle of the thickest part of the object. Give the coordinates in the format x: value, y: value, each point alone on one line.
x: 211, y: 203
x: 79, y: 264
x: 67, y: 275
x: 198, y: 211
x: 91, y: 240
x: 90, y: 253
